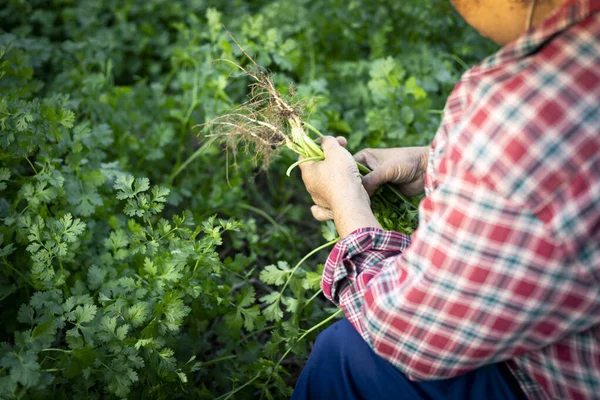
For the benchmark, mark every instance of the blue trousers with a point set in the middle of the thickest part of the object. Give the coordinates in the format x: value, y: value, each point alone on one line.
x: 343, y: 366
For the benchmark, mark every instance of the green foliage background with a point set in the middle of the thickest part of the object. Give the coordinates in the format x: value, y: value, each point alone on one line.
x: 117, y: 280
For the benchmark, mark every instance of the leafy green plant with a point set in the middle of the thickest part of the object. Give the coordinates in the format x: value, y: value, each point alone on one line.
x: 134, y: 262
x: 268, y: 121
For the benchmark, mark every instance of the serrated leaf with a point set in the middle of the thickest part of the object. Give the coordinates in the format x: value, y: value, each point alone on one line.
x: 4, y: 176
x: 182, y: 377
x: 26, y: 315
x: 143, y: 343
x: 292, y: 305
x: 137, y: 314
x: 149, y: 267
x: 234, y: 320
x: 141, y: 185
x: 250, y: 315
x: 121, y: 332
x: 71, y: 228
x: 171, y: 272
x: 273, y: 311
x: 246, y: 297
x: 312, y: 280
x: 329, y: 231
x: 128, y: 187
x: 275, y: 274
x: 66, y: 118
x: 24, y: 368
x: 159, y: 194
x: 84, y: 314
x: 96, y: 277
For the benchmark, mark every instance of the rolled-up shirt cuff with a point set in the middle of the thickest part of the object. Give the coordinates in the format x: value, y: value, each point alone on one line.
x: 363, y: 249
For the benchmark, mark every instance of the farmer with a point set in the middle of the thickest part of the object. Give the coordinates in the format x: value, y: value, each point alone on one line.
x: 497, y: 294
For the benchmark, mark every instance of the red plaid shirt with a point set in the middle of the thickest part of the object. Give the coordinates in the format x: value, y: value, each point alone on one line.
x: 505, y: 265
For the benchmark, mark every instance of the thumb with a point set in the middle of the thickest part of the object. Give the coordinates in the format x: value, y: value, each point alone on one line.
x: 329, y: 144
x: 374, y: 180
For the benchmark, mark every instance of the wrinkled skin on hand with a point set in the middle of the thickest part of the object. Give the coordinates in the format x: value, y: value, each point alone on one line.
x: 341, y: 194
x: 335, y: 186
x: 403, y: 167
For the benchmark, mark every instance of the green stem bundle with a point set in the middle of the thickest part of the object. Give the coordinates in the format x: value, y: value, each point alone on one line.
x: 393, y: 210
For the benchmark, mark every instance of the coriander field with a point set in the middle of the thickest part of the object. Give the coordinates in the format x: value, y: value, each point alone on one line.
x: 139, y: 258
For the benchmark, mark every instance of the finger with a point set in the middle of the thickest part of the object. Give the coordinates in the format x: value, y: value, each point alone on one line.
x: 329, y: 144
x: 306, y: 165
x: 321, y: 214
x: 342, y: 141
x: 366, y: 158
x: 374, y: 180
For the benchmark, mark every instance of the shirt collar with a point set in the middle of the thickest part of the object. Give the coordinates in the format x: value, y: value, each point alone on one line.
x: 566, y: 16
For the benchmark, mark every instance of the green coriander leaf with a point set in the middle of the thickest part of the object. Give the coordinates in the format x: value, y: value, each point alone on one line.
x: 71, y: 228
x: 128, y: 187
x: 24, y: 368
x: 234, y: 320
x: 276, y: 275
x: 26, y: 315
x: 137, y: 314
x: 83, y: 314
x: 159, y: 194
x: 182, y: 377
x: 273, y: 311
x: 96, y: 277
x: 292, y: 304
x: 329, y: 231
x: 45, y: 330
x: 141, y: 185
x: 312, y: 281
x: 4, y: 176
x: 167, y: 359
x: 121, y: 333
x: 247, y: 297
x: 66, y: 118
x: 250, y: 315
x: 143, y: 343
x: 149, y: 267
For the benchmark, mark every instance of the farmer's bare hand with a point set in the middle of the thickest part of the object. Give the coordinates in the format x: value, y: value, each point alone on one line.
x: 404, y: 167
x: 336, y: 188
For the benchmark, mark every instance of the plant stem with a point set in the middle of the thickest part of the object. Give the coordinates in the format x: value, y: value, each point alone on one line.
x: 189, y: 160
x: 317, y: 326
x: 216, y: 360
x: 306, y: 257
x: 54, y: 349
x: 268, y: 218
x: 363, y: 169
x: 320, y: 324
x: 228, y: 395
x: 256, y: 332
x: 313, y: 129
x: 62, y: 271
x: 18, y: 273
x: 300, y: 162
x: 31, y: 165
x: 313, y: 297
x: 457, y: 59
x: 186, y: 119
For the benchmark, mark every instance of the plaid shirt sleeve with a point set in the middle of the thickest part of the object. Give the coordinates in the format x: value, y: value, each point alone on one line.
x: 480, y: 283
x: 505, y: 263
